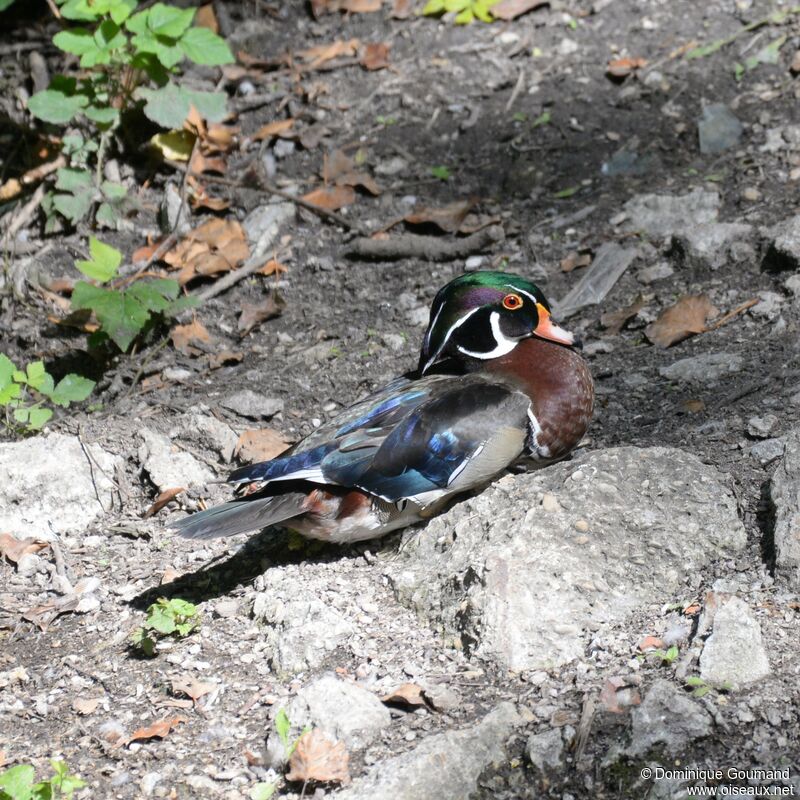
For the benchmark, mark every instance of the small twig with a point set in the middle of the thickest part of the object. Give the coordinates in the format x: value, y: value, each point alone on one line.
x: 21, y: 47
x: 23, y: 216
x: 58, y: 556
x: 724, y: 320
x: 520, y: 85
x: 584, y: 726
x: 145, y: 361
x: 242, y: 104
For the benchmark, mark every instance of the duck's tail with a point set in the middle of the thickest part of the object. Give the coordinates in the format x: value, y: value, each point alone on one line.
x: 241, y: 516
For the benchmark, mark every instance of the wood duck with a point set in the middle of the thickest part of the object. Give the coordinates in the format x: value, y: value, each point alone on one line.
x: 498, y: 382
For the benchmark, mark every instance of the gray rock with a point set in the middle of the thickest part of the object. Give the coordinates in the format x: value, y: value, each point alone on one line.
x: 792, y: 284
x: 667, y: 717
x: 522, y: 585
x: 174, y: 213
x: 48, y: 483
x: 761, y: 427
x: 199, y: 426
x: 768, y: 451
x: 785, y: 496
x: 709, y: 244
x: 391, y: 166
x: 657, y: 272
x: 167, y: 465
x: 343, y: 710
x: 719, y: 129
x: 768, y: 306
x: 266, y: 220
x: 302, y: 633
x: 446, y: 765
x: 545, y: 750
x: 734, y: 654
x: 609, y: 264
x: 248, y: 403
x: 783, y: 246
x: 660, y: 216
x: 706, y: 368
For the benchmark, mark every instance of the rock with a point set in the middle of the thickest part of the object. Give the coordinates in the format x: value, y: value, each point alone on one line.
x: 657, y: 272
x: 391, y: 166
x: 343, y: 710
x: 768, y: 306
x: 659, y: 216
x: 266, y: 220
x: 48, y: 483
x: 167, y: 465
x: 173, y: 213
x: 792, y: 284
x: 708, y: 244
x: 445, y: 765
x: 609, y: 264
x: 785, y: 497
x: 544, y: 750
x: 706, y: 368
x: 248, y: 403
x: 197, y: 425
x: 667, y: 717
x: 761, y: 427
x: 767, y: 451
x: 517, y: 584
x: 719, y: 129
x: 783, y: 246
x: 303, y: 633
x: 734, y: 654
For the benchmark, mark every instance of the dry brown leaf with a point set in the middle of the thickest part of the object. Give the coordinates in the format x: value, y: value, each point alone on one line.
x: 616, y: 695
x: 402, y: 9
x: 694, y: 406
x: 319, y: 7
x: 687, y: 317
x: 255, y: 313
x: 615, y: 321
x: 206, y: 18
x: 316, y: 758
x: 691, y: 610
x: 158, y: 730
x: 191, y: 687
x: 224, y: 357
x: 260, y: 445
x: 165, y: 497
x: 448, y: 218
x: 407, y: 694
x: 188, y: 338
x: 278, y: 127
x: 321, y: 54
x: 13, y: 549
x: 511, y: 9
x: 650, y: 643
x: 331, y: 197
x: 273, y: 267
x: 375, y: 56
x: 575, y: 260
x: 622, y: 67
x: 86, y: 705
x: 216, y: 246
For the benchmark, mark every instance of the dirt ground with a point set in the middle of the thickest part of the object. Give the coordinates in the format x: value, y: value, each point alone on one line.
x: 468, y: 98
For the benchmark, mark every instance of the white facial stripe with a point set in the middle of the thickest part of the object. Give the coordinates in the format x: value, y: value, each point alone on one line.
x: 522, y: 291
x: 503, y: 344
x: 449, y: 333
x: 432, y: 326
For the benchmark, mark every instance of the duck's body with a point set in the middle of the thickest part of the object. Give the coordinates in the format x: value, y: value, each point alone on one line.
x: 403, y: 453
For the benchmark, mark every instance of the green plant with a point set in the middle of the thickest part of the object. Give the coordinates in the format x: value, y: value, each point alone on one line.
x: 123, y: 313
x: 262, y: 791
x: 700, y: 688
x: 127, y: 59
x: 173, y: 617
x: 17, y: 783
x: 283, y: 726
x: 466, y: 10
x: 666, y: 656
x: 24, y: 394
x: 441, y: 172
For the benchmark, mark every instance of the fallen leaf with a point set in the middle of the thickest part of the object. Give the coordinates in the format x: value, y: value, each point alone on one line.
x: 43, y: 615
x: 255, y: 313
x: 273, y: 267
x: 694, y: 406
x: 616, y: 695
x: 316, y: 758
x: 691, y: 610
x: 278, y: 127
x: 191, y: 687
x: 188, y: 338
x: 174, y: 145
x: 650, y: 643
x: 86, y: 705
x: 206, y: 18
x: 402, y: 9
x: 340, y: 169
x: 216, y: 246
x: 319, y: 7
x: 407, y: 694
x: 687, y: 317
x: 447, y: 218
x: 622, y: 67
x: 615, y: 321
x: 170, y: 574
x: 511, y: 9
x: 375, y: 56
x: 322, y: 53
x: 575, y: 260
x: 165, y: 497
x: 224, y: 357
x: 260, y: 445
x: 13, y: 549
x: 158, y: 730
x: 331, y: 197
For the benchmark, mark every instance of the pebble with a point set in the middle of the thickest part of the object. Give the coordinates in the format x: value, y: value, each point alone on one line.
x: 751, y: 194
x: 761, y: 427
x: 550, y: 503
x: 767, y: 451
x: 581, y: 525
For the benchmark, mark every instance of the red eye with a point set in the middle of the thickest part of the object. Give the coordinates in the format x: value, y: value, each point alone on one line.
x: 512, y: 302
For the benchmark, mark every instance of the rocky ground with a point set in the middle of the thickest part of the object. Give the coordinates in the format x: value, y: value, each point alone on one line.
x: 567, y: 633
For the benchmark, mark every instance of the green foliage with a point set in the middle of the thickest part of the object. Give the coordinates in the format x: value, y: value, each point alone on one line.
x: 542, y: 119
x: 565, y: 193
x: 282, y: 727
x: 262, y: 791
x: 441, y: 172
x: 127, y: 59
x: 24, y: 395
x: 666, y: 657
x: 123, y: 313
x: 17, y: 783
x: 466, y: 11
x: 173, y: 617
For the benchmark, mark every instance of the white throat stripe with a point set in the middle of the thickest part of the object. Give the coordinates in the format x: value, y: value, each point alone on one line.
x: 503, y: 344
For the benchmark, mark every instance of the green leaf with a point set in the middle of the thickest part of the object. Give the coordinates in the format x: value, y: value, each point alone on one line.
x: 73, y: 206
x: 102, y: 115
x: 17, y: 782
x: 542, y: 119
x: 4, y: 4
x: 108, y: 38
x: 105, y: 261
x: 693, y: 680
x: 76, y: 41
x: 10, y: 392
x: 39, y: 417
x: 36, y: 375
x: 121, y: 10
x: 71, y: 389
x: 148, y: 296
x: 282, y: 727
x: 170, y: 21
x: 170, y: 106
x: 204, y: 47
x: 465, y: 17
x: 212, y: 106
x: 433, y: 7
x: 56, y: 106
x: 184, y: 628
x: 262, y: 791
x: 113, y: 190
x: 161, y: 620
x: 83, y: 9
x: 7, y: 370
x: 73, y: 180
x: 564, y: 193
x: 441, y: 172
x: 182, y: 607
x: 121, y: 317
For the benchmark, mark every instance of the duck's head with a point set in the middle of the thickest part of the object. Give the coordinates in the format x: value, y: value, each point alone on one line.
x: 484, y: 315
